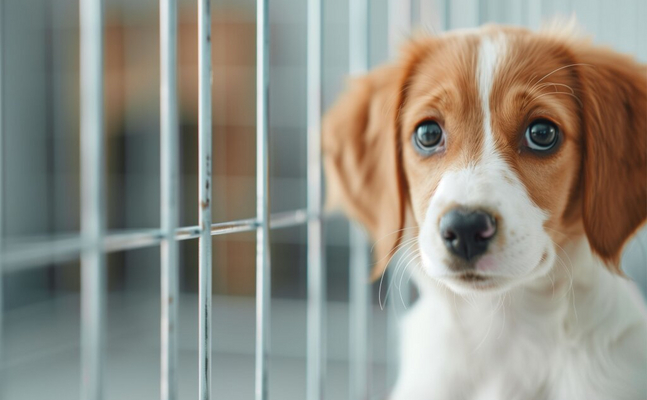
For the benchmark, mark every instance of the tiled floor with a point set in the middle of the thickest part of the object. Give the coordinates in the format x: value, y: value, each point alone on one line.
x: 42, y: 349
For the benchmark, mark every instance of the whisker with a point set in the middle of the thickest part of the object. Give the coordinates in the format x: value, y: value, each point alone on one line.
x: 568, y: 94
x: 530, y: 82
x: 554, y: 84
x: 418, y: 266
x: 389, y: 234
x: 392, y: 253
x: 396, y: 248
x: 410, y: 251
x: 540, y: 86
x: 402, y: 276
x: 561, y: 68
x: 534, y: 86
x: 379, y: 292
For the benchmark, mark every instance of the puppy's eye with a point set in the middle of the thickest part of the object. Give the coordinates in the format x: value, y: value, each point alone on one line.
x: 542, y: 135
x: 428, y: 137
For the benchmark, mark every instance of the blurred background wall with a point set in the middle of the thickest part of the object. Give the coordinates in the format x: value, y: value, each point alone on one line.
x: 41, y: 155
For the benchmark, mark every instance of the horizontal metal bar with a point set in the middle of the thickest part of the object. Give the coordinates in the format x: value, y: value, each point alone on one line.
x: 38, y: 251
x: 278, y: 220
x: 130, y: 240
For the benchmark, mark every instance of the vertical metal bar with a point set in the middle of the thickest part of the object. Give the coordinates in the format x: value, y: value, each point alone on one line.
x: 482, y: 12
x: 263, y: 266
x: 414, y: 12
x: 447, y: 14
x: 169, y: 181
x: 204, y: 197
x: 399, y: 24
x: 466, y: 15
x: 534, y: 13
x: 93, y: 286
x: 2, y: 47
x: 360, y: 298
x: 515, y: 12
x: 358, y: 36
x: 360, y: 315
x: 432, y: 15
x: 316, y: 352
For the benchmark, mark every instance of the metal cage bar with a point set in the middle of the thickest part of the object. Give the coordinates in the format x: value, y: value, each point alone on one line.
x: 533, y: 14
x: 400, y: 14
x: 93, y: 285
x: 316, y: 281
x: 67, y: 247
x: 360, y: 315
x: 94, y: 242
x: 263, y: 266
x: 359, y: 263
x: 1, y: 195
x: 204, y: 197
x: 169, y: 183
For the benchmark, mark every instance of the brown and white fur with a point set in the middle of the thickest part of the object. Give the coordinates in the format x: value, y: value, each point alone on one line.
x: 545, y: 313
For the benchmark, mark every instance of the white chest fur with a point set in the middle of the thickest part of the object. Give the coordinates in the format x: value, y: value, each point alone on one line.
x: 555, y: 339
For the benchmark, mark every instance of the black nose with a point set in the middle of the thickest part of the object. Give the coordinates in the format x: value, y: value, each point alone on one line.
x: 467, y: 233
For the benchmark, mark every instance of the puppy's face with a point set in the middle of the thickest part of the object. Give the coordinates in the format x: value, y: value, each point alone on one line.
x: 490, y: 149
x: 502, y: 144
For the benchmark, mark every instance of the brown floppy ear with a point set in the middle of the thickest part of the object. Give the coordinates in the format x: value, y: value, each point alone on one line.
x: 362, y: 161
x: 615, y: 147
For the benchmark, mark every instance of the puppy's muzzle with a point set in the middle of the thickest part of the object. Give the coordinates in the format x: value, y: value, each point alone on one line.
x: 467, y: 233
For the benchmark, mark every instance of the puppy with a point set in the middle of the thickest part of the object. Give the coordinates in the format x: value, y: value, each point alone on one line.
x: 519, y: 160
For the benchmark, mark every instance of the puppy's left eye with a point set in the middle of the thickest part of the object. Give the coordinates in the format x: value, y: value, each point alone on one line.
x: 542, y: 135
x: 428, y: 138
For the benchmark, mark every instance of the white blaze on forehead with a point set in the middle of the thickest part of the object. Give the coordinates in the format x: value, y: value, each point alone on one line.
x: 491, y: 52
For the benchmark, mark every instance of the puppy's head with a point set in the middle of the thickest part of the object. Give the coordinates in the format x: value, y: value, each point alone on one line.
x: 501, y: 144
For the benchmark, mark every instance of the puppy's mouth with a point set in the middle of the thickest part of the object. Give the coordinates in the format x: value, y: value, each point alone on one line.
x: 472, y: 277
x: 472, y: 280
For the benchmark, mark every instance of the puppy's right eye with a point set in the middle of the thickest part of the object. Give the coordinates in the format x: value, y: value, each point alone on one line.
x: 542, y: 135
x: 428, y: 138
